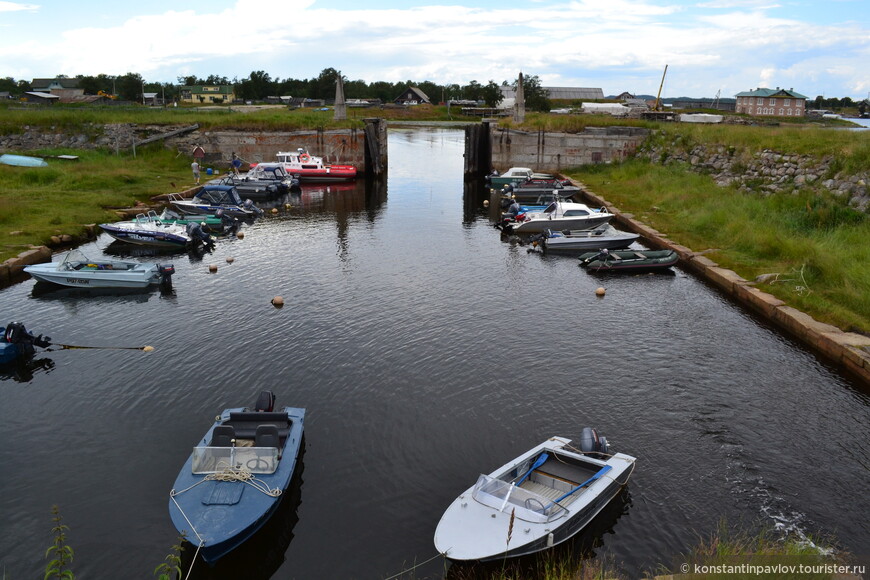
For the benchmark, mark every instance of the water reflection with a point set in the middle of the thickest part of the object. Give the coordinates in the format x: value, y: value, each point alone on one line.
x: 22, y: 369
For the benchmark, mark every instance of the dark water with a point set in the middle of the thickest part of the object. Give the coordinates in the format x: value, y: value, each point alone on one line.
x: 426, y: 351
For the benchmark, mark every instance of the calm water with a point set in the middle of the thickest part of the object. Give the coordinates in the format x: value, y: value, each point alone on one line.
x: 426, y: 351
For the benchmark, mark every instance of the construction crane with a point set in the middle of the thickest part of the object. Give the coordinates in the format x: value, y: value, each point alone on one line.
x: 658, y: 106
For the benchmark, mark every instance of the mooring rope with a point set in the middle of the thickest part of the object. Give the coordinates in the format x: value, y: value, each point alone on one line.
x: 412, y: 568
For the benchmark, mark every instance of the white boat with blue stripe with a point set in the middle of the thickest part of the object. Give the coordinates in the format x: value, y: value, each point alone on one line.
x: 536, y: 501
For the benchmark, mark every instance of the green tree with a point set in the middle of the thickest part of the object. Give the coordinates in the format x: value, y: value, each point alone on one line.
x: 257, y: 86
x: 9, y: 84
x: 323, y: 87
x: 492, y: 94
x: 129, y: 87
x: 189, y: 81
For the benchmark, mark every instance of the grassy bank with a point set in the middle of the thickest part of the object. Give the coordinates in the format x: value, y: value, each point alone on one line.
x: 808, y: 239
x: 40, y: 202
x: 816, y: 247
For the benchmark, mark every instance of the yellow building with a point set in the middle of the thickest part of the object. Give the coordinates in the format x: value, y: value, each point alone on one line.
x: 211, y: 94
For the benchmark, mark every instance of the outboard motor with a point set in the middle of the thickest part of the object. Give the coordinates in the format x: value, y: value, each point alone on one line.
x: 16, y: 333
x: 295, y: 184
x: 166, y: 273
x: 249, y: 204
x: 228, y: 223
x: 265, y: 402
x: 592, y: 444
x: 197, y: 234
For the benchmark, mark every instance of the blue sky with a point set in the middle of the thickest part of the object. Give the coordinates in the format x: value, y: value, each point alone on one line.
x: 709, y: 46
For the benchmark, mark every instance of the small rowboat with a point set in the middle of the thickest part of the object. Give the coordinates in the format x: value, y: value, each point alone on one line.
x: 628, y: 260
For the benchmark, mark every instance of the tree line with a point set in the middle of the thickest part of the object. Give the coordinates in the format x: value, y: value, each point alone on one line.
x: 259, y: 85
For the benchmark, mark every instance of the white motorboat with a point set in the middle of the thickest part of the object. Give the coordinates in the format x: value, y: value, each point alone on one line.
x: 536, y: 501
x: 559, y: 215
x: 606, y: 237
x: 78, y: 271
x: 515, y: 175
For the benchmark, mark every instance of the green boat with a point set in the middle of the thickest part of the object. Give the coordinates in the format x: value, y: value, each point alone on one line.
x: 628, y: 260
x: 213, y: 224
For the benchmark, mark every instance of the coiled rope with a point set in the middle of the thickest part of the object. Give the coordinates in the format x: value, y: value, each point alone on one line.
x: 227, y: 473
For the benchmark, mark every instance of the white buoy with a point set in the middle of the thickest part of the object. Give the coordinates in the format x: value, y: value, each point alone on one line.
x: 486, y: 203
x: 277, y: 302
x: 274, y: 210
x: 147, y: 348
x: 240, y: 235
x: 599, y: 291
x: 212, y: 268
x: 230, y: 259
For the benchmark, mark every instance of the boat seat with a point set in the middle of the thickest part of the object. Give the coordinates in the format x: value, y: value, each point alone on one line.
x: 222, y: 436
x: 245, y: 423
x: 641, y: 256
x: 267, y: 436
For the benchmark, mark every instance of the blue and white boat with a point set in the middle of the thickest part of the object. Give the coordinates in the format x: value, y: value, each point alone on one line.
x: 536, y: 501
x: 149, y: 230
x: 234, y: 479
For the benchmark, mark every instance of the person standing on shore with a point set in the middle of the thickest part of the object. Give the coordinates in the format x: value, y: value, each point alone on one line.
x: 195, y: 168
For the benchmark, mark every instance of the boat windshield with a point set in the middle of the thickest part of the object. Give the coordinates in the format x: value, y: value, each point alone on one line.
x: 505, y: 496
x: 207, y: 460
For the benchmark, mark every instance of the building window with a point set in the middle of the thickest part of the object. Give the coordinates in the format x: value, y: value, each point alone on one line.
x: 781, y: 112
x: 788, y: 102
x: 760, y: 100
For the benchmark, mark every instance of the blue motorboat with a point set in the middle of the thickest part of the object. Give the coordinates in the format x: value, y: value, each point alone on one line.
x: 236, y: 475
x: 16, y: 343
x: 212, y: 198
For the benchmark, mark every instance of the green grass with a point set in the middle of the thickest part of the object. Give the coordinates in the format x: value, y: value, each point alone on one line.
x: 37, y: 203
x: 739, y: 554
x: 812, y: 240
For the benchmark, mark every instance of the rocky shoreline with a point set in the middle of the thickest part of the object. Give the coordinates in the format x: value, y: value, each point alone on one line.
x: 764, y: 171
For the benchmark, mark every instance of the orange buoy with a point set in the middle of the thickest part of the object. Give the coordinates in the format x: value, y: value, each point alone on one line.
x: 240, y: 235
x: 277, y: 302
x: 599, y: 291
x: 212, y: 268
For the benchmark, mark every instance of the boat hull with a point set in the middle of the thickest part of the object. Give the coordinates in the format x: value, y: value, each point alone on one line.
x: 324, y: 175
x: 22, y: 160
x: 218, y: 516
x: 629, y: 260
x: 472, y: 530
x: 579, y: 243
x: 142, y: 276
x: 143, y: 237
x: 536, y: 226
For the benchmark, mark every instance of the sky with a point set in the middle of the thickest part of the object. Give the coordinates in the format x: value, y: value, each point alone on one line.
x: 710, y: 47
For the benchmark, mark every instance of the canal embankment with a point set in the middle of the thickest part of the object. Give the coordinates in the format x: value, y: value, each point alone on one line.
x: 849, y: 350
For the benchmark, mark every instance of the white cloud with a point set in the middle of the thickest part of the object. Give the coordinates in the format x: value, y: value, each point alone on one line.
x: 18, y: 7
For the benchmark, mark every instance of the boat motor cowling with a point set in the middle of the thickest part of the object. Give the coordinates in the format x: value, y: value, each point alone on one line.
x: 166, y: 273
x: 16, y: 333
x: 265, y: 402
x: 592, y: 443
x: 197, y: 234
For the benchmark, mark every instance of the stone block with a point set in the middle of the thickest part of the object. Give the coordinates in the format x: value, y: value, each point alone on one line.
x: 762, y: 302
x: 723, y: 278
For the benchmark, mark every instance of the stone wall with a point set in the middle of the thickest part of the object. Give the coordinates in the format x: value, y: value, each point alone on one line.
x: 764, y: 171
x: 554, y: 152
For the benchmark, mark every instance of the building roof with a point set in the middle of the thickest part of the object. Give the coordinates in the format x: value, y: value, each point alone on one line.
x: 420, y: 95
x: 198, y: 89
x: 41, y: 95
x: 60, y: 83
x: 564, y: 93
x: 777, y: 92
